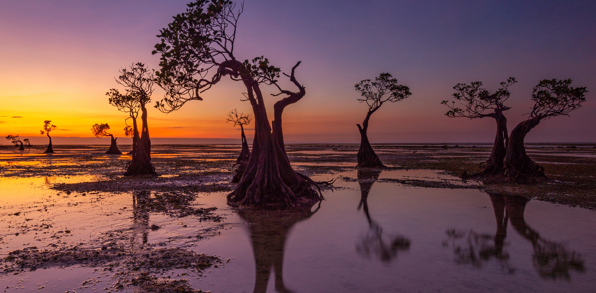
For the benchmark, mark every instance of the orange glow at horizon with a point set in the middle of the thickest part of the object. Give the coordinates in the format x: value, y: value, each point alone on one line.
x: 60, y: 58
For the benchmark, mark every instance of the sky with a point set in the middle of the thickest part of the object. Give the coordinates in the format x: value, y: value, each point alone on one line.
x: 58, y: 59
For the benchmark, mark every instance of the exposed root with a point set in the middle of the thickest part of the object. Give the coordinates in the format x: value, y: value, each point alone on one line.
x: 525, y: 172
x: 239, y: 169
x: 137, y: 168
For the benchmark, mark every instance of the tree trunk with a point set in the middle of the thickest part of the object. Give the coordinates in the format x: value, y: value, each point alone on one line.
x: 366, y: 155
x: 269, y: 180
x: 519, y: 167
x: 245, y: 153
x: 22, y: 147
x: 50, y: 149
x: 113, y: 147
x: 494, y: 164
x: 242, y: 160
x: 135, y: 136
x: 141, y: 157
x: 145, y: 140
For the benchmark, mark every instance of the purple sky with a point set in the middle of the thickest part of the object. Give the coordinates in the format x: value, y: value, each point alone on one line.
x: 67, y: 52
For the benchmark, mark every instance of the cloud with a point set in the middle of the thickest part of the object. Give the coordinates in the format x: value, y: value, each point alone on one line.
x: 64, y: 129
x: 175, y: 127
x: 17, y: 117
x: 2, y: 121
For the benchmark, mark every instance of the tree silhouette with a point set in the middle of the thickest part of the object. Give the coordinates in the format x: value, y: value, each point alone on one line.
x: 27, y: 142
x: 101, y: 130
x: 138, y: 82
x: 240, y: 119
x: 197, y: 51
x: 551, y: 98
x: 47, y: 128
x: 478, y: 102
x: 375, y: 93
x: 17, y: 141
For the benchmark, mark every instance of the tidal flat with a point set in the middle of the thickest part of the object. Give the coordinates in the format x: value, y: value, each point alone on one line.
x: 71, y: 222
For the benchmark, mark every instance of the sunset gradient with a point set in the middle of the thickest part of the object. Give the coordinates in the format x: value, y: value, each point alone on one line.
x: 60, y: 57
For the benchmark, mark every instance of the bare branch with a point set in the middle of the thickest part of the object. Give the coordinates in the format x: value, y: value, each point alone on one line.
x: 239, y: 118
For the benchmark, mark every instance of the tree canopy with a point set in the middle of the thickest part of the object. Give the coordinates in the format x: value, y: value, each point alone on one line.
x: 554, y: 97
x: 48, y: 127
x: 384, y: 88
x: 192, y: 47
x: 100, y: 130
x: 15, y: 139
x: 138, y: 82
x: 478, y: 102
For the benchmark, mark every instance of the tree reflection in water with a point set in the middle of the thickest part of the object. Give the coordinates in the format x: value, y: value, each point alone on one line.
x: 140, y: 216
x: 481, y: 248
x: 552, y: 260
x: 269, y: 230
x: 374, y: 243
x: 173, y: 204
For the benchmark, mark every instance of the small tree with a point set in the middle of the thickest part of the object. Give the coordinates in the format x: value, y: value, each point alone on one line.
x: 16, y: 141
x: 478, y: 102
x: 197, y: 50
x: 27, y: 142
x: 551, y: 98
x: 375, y: 93
x: 138, y: 82
x: 241, y: 119
x: 101, y: 130
x: 129, y: 132
x: 47, y: 128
